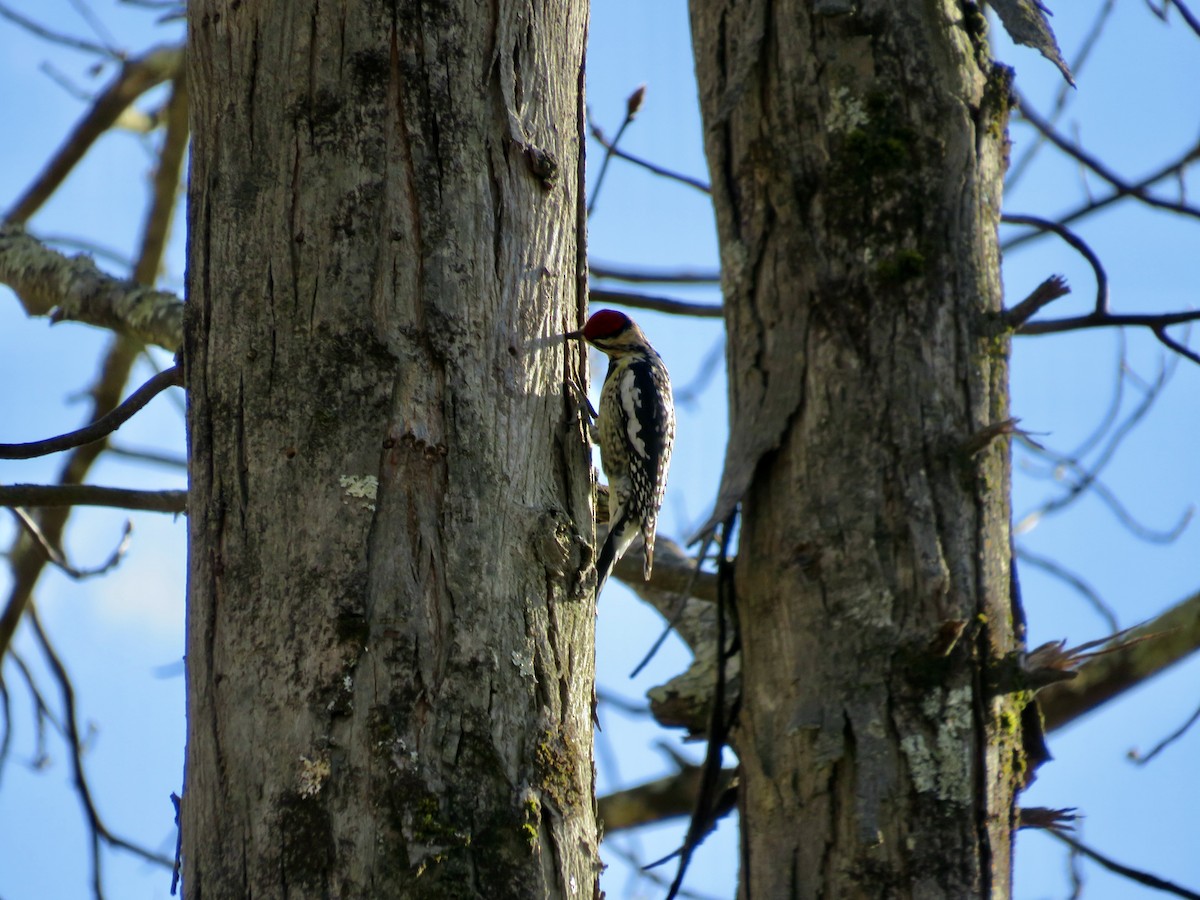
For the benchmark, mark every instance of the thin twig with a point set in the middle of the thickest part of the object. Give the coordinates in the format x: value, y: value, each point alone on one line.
x: 155, y: 457
x: 1095, y: 165
x: 1160, y: 332
x: 651, y: 875
x: 1088, y: 476
x: 680, y: 596
x: 1193, y: 22
x: 97, y: 26
x: 709, y: 366
x: 1172, y: 169
x: 1100, y: 317
x: 711, y: 802
x: 1142, y: 759
x: 136, y: 77
x: 1082, y: 587
x: 632, y: 105
x: 1047, y: 292
x: 1140, y: 531
x: 152, y: 360
x: 1065, y: 91
x: 1145, y: 878
x: 657, y: 304
x: 99, y: 830
x: 27, y: 561
x: 55, y: 557
x: 635, y: 708
x: 614, y: 150
x: 92, y: 248
x: 56, y: 37
x: 1075, y: 241
x: 646, y: 276
x: 1124, y: 373
x: 42, y: 714
x: 64, y: 82
x: 101, y: 428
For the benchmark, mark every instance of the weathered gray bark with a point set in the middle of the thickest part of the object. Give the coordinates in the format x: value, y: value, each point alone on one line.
x: 856, y: 153
x: 390, y: 659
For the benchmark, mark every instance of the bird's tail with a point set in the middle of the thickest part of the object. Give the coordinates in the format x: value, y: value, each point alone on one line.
x: 620, y: 535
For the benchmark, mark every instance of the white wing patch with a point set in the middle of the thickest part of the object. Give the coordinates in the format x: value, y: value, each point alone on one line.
x: 631, y: 400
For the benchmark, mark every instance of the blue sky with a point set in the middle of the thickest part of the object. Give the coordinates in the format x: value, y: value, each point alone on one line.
x: 122, y: 636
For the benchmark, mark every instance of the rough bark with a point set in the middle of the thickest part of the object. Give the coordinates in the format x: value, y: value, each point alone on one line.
x: 856, y: 153
x: 390, y: 658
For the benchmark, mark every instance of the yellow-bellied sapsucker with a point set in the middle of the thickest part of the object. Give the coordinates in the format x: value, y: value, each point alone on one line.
x: 635, y: 428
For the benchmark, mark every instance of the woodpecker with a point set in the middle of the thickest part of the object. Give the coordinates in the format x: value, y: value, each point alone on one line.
x: 635, y: 428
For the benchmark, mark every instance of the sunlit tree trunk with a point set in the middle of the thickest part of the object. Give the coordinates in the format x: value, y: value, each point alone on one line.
x: 390, y: 656
x: 856, y: 153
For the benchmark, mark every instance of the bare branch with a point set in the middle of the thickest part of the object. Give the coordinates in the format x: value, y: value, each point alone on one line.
x: 1084, y: 589
x: 136, y: 77
x: 1160, y: 332
x: 1142, y: 759
x: 1123, y: 373
x: 612, y: 149
x: 629, y: 707
x: 27, y: 561
x: 1193, y: 22
x: 1078, y: 153
x: 43, y: 714
x: 658, y: 304
x: 635, y: 862
x: 73, y: 289
x: 1064, y: 91
x: 56, y: 37
x: 92, y: 495
x: 632, y: 105
x: 1145, y: 878
x: 167, y: 177
x: 1048, y: 291
x: 1100, y: 316
x: 94, y: 22
x: 656, y: 801
x: 155, y: 457
x: 1177, y: 636
x: 1075, y: 241
x: 99, y: 830
x: 1140, y: 531
x: 644, y: 276
x: 709, y: 366
x: 1089, y: 477
x: 35, y: 532
x: 1114, y: 320
x: 1172, y: 169
x: 93, y: 248
x: 102, y: 427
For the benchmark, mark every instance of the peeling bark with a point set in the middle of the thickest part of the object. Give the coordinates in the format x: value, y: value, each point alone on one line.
x: 390, y: 658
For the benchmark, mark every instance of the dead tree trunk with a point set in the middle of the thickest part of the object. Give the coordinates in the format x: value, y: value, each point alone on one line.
x: 856, y: 153
x: 390, y: 659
